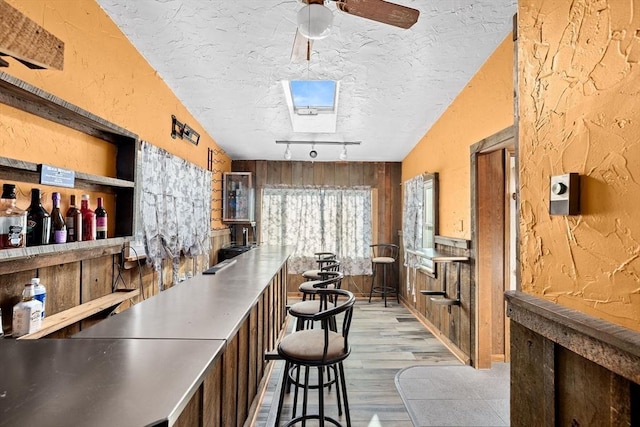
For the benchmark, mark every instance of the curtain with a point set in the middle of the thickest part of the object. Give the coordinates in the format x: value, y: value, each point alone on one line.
x: 175, y: 206
x: 412, y: 215
x: 320, y: 219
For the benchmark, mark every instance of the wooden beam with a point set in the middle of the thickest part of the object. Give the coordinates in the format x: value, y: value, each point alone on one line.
x: 28, y: 42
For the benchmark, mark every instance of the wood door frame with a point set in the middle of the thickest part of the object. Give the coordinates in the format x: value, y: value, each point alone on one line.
x: 481, y: 344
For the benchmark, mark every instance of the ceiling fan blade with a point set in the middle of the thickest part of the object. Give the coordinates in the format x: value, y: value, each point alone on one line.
x: 301, y: 48
x: 380, y: 11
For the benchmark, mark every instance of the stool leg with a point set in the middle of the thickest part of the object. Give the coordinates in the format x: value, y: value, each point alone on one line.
x: 282, y: 390
x: 384, y: 283
x: 305, y: 396
x: 321, y: 395
x: 373, y: 280
x: 344, y: 394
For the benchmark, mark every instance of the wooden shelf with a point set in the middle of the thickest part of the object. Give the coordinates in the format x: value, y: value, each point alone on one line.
x: 425, y: 292
x: 23, y: 259
x: 445, y: 301
x: 68, y: 317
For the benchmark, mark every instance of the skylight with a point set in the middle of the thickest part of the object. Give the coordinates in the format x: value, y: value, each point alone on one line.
x: 313, y: 94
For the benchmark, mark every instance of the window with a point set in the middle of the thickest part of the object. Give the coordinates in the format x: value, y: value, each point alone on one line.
x: 312, y: 104
x: 315, y: 219
x: 313, y: 94
x: 429, y: 219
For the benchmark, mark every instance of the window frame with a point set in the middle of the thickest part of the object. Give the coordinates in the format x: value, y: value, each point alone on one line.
x: 430, y: 220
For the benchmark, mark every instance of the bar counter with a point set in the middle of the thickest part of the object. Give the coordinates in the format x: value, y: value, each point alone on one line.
x: 189, y: 356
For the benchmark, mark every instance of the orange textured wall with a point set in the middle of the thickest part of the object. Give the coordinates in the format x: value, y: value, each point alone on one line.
x: 104, y: 74
x: 579, y: 82
x: 483, y: 107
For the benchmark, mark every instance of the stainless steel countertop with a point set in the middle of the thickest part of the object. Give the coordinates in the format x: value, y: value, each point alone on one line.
x: 100, y: 382
x: 203, y: 307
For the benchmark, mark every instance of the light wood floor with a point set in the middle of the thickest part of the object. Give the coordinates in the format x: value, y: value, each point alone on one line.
x: 384, y: 341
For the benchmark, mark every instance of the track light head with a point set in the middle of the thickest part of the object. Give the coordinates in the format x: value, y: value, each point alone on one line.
x: 287, y: 153
x: 313, y: 153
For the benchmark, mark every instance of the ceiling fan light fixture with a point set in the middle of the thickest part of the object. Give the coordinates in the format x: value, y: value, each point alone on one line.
x: 315, y: 21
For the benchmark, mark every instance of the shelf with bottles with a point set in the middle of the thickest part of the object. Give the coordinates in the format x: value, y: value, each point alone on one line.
x: 238, y: 197
x: 120, y: 190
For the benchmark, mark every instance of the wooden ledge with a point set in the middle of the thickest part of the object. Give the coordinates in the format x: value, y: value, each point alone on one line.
x: 607, y: 344
x: 445, y: 301
x: 68, y: 317
x: 425, y: 292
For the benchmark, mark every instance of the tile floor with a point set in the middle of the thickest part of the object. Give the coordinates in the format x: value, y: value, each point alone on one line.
x: 455, y: 395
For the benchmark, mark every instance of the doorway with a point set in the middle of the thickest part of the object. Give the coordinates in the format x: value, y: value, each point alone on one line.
x: 494, y: 243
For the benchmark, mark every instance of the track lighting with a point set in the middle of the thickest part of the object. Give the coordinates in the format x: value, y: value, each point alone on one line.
x: 343, y: 154
x: 287, y: 153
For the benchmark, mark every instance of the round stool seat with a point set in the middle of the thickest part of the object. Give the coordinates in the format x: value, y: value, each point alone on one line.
x: 305, y: 308
x: 309, y: 287
x: 383, y: 260
x: 312, y: 274
x: 309, y: 346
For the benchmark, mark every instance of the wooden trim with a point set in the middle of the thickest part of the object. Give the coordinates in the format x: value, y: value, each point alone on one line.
x: 606, y: 344
x: 28, y: 42
x: 75, y: 314
x: 15, y: 260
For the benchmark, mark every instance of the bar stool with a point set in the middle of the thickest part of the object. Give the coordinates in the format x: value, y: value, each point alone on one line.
x: 331, y: 280
x: 319, y: 348
x: 383, y: 255
x: 322, y: 259
x: 308, y: 288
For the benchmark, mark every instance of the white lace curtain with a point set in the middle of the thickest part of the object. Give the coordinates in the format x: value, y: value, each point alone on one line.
x: 175, y: 206
x: 412, y: 216
x: 320, y: 219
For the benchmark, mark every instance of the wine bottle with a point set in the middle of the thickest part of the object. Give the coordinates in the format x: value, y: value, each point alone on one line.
x: 88, y: 220
x: 38, y: 221
x: 73, y: 220
x: 101, y: 220
x: 13, y: 220
x: 58, y: 226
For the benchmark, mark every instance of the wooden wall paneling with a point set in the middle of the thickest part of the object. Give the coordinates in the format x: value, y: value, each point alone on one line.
x: 465, y: 337
x: 271, y: 319
x: 528, y: 371
x: 191, y: 414
x: 308, y: 173
x: 63, y: 292
x: 396, y: 214
x: 329, y: 173
x: 318, y: 173
x: 370, y: 174
x: 382, y: 197
x: 212, y: 392
x: 342, y: 174
x: 286, y: 174
x: 255, y: 353
x: 584, y: 392
x: 244, y: 398
x: 389, y: 235
x: 96, y: 278
x: 230, y: 383
x: 356, y: 174
x: 297, y: 173
x: 274, y: 173
x: 11, y: 287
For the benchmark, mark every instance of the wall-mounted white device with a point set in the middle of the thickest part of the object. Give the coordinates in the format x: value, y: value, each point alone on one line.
x: 565, y: 194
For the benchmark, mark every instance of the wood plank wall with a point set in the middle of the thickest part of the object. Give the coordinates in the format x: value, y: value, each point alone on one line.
x: 384, y: 178
x: 452, y: 324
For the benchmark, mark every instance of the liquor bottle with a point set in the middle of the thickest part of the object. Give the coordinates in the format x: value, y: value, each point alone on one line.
x: 58, y: 226
x: 101, y: 220
x: 73, y: 220
x: 27, y: 314
x: 88, y: 220
x: 38, y: 221
x: 13, y: 220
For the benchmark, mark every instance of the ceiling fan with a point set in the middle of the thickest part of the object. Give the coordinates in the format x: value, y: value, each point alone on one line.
x: 314, y: 20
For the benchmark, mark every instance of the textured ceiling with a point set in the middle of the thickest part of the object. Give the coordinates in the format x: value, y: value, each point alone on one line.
x: 225, y: 61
